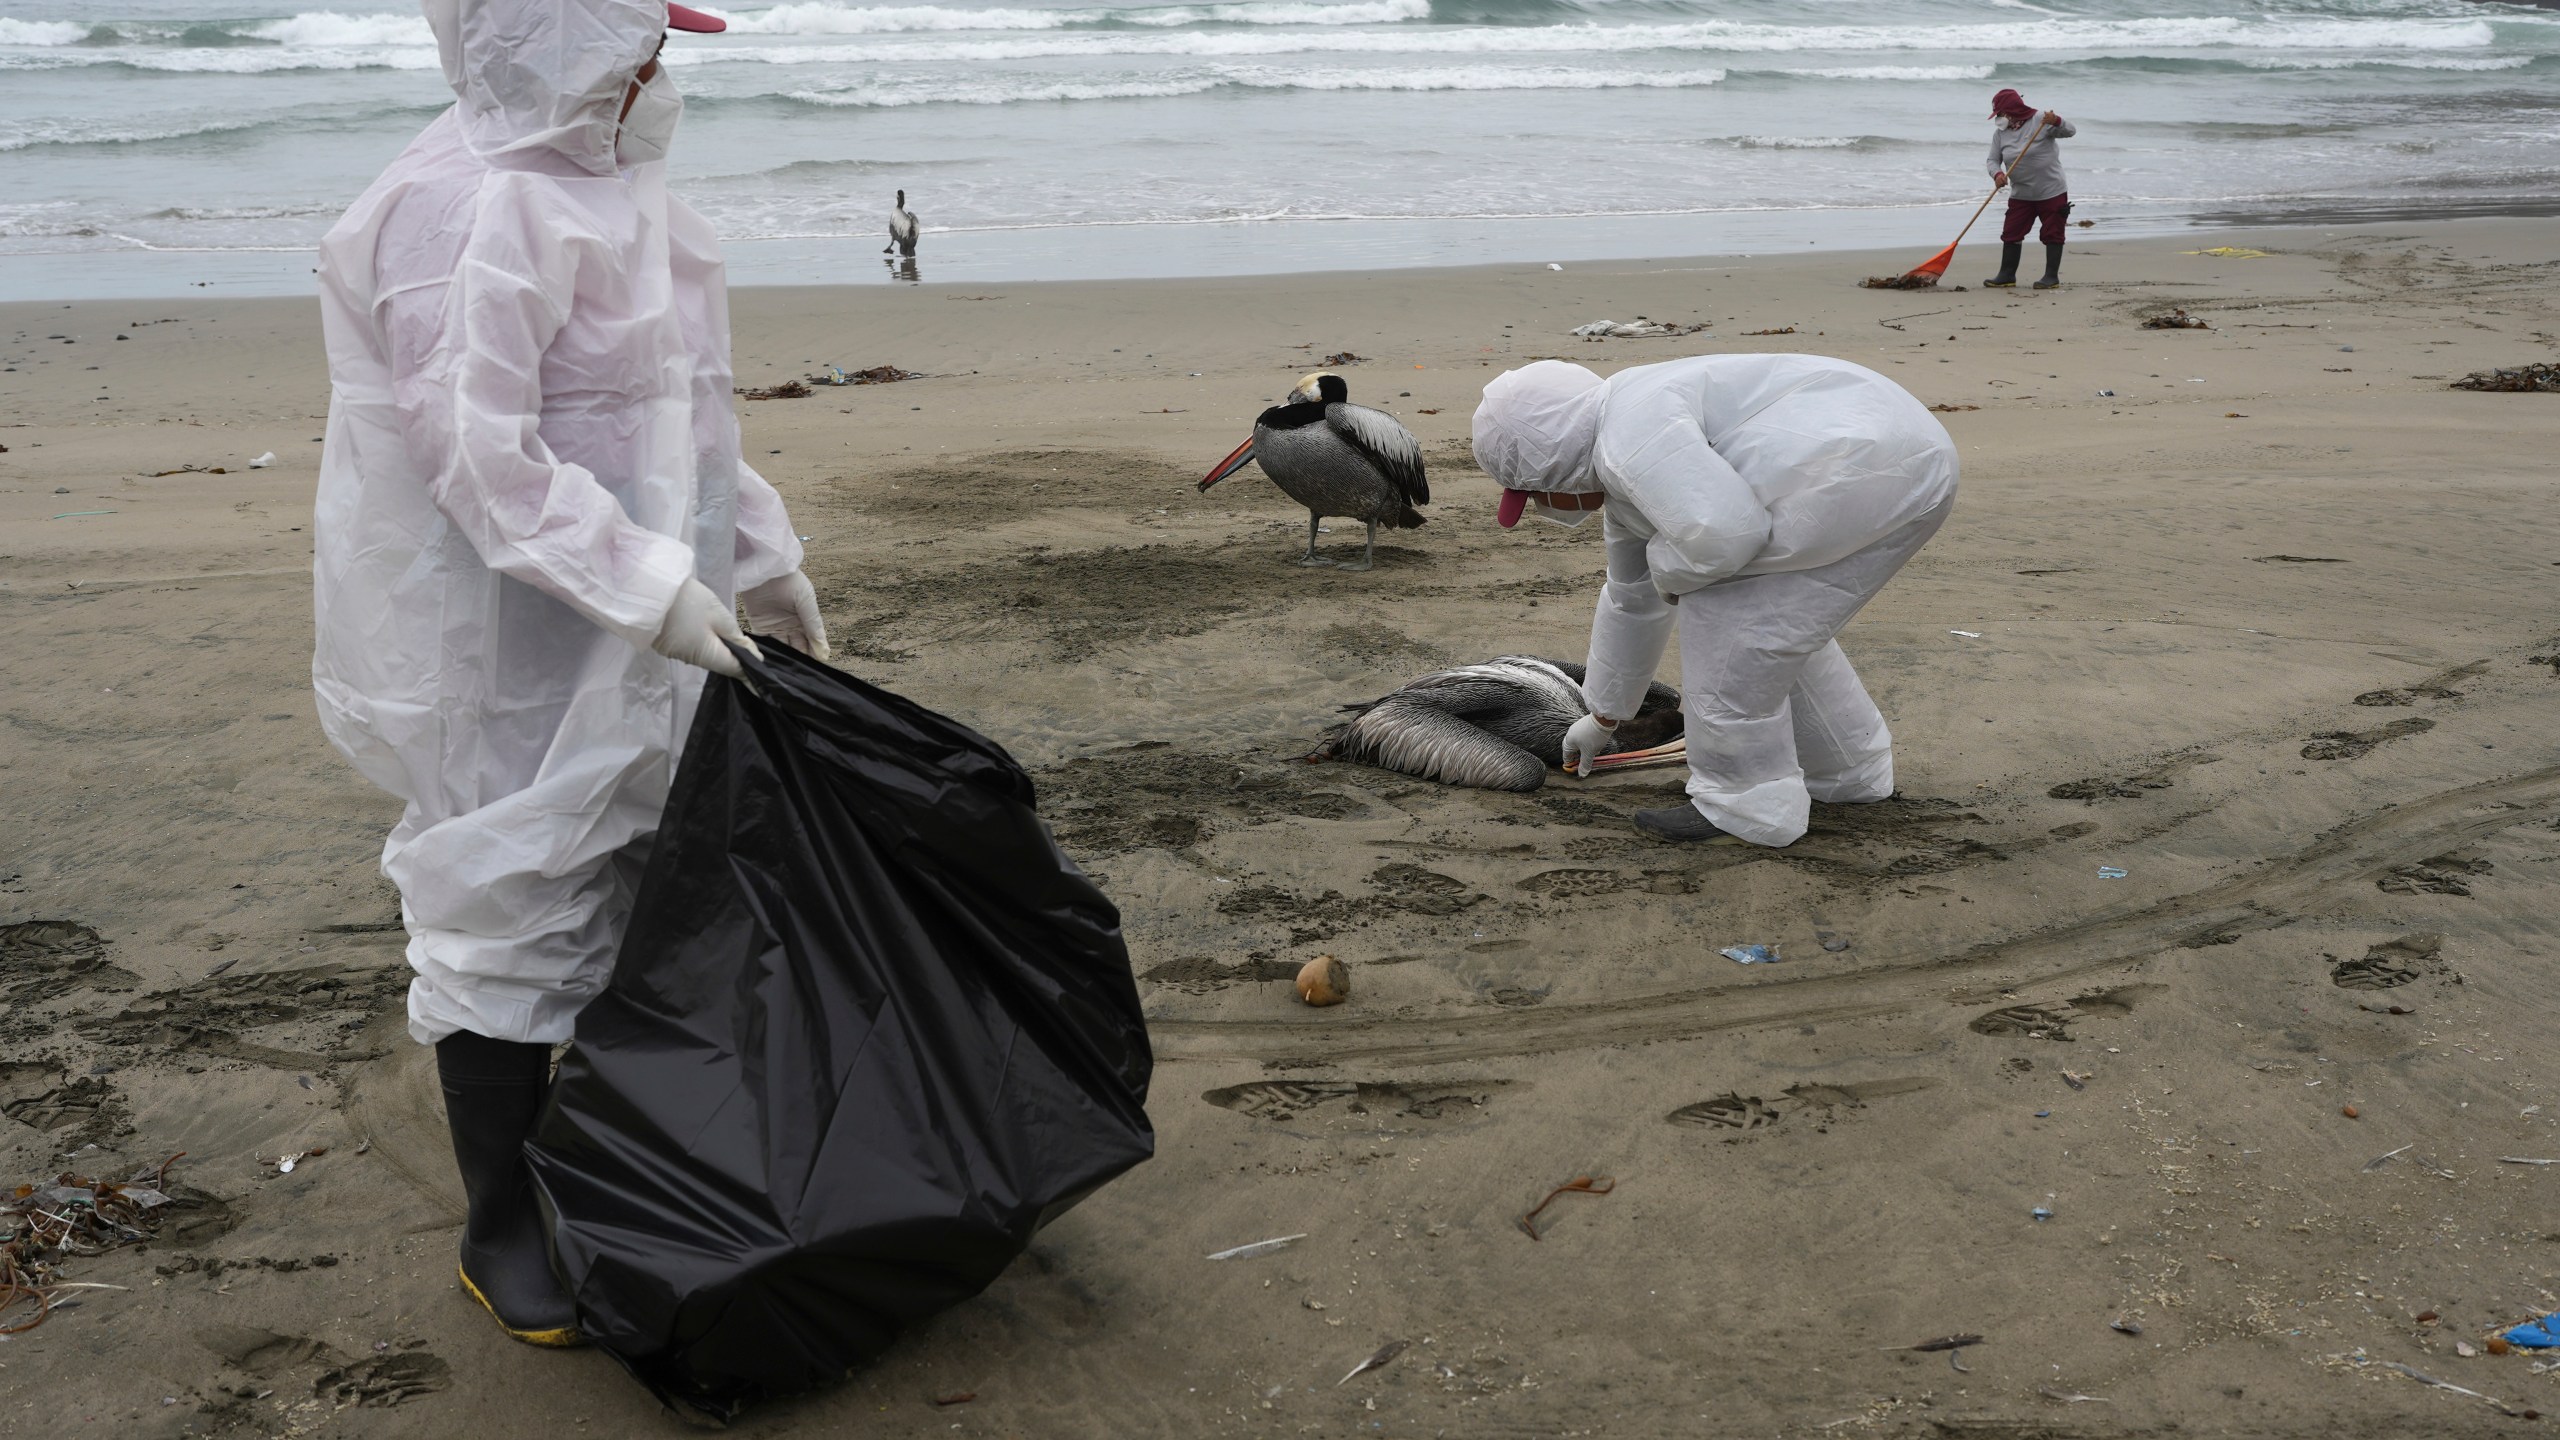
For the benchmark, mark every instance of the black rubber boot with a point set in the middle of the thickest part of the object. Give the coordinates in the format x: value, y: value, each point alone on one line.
x: 1677, y: 822
x: 493, y: 1091
x: 2052, y: 268
x: 2008, y: 267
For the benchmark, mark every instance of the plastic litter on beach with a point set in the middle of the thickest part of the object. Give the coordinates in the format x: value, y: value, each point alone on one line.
x: 263, y: 461
x: 1751, y: 954
x: 1258, y: 1247
x: 1968, y: 634
x: 2111, y: 872
x: 2041, y: 1212
x: 2535, y: 1334
x: 2229, y: 252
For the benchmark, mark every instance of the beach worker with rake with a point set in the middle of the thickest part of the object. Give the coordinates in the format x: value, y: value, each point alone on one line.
x: 2025, y: 159
x: 1751, y: 504
x: 533, y: 524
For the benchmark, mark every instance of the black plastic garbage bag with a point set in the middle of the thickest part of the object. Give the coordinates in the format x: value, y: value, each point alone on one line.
x: 868, y: 1032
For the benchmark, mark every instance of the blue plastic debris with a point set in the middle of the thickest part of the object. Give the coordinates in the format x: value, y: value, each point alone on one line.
x: 2110, y: 872
x: 2041, y: 1213
x: 2536, y: 1334
x: 2044, y: 1114
x: 1751, y: 954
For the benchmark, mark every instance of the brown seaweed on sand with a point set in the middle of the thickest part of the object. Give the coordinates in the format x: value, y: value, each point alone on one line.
x: 2537, y: 376
x: 1900, y: 282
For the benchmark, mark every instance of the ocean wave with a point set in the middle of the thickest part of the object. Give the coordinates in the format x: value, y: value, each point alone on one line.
x: 1801, y: 142
x: 324, y: 28
x: 214, y: 213
x: 41, y: 32
x: 1895, y: 72
x: 2393, y: 62
x: 829, y: 17
x: 1735, y: 37
x: 1248, y: 77
x: 27, y: 134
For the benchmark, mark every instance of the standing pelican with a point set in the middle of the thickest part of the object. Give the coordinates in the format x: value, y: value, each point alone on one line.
x: 1335, y: 458
x: 902, y: 228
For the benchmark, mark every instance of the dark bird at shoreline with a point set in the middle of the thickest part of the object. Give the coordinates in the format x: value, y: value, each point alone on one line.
x: 902, y: 228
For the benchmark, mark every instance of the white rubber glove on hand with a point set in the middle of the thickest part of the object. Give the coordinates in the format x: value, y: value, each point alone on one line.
x: 786, y: 608
x: 695, y: 629
x: 1584, y: 743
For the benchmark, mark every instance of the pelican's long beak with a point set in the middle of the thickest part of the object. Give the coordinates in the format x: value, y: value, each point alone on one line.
x: 1675, y: 752
x: 1242, y: 457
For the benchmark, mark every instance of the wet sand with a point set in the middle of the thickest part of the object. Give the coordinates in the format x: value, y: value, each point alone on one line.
x: 2261, y: 629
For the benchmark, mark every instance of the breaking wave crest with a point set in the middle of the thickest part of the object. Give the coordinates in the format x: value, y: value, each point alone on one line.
x: 1255, y: 77
x: 829, y: 17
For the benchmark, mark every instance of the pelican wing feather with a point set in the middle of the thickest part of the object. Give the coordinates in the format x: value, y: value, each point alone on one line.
x: 1386, y: 442
x: 1412, y: 739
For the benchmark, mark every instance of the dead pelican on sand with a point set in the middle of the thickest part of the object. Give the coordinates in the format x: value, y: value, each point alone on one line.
x: 1497, y: 726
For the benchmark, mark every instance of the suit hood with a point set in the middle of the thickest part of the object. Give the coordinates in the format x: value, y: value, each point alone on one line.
x: 541, y: 81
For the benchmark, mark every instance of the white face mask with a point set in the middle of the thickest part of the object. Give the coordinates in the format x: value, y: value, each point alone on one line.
x: 651, y: 125
x: 1566, y: 518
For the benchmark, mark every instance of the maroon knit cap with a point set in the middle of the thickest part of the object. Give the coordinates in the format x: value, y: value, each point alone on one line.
x: 2010, y: 105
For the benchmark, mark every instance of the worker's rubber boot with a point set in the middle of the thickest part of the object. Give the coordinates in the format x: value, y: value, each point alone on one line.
x: 2052, y: 268
x: 1677, y: 822
x: 2008, y: 267
x: 493, y: 1092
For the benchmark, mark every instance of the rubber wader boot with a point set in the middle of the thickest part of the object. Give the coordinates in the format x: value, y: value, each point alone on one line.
x: 2008, y: 266
x: 493, y: 1092
x: 1677, y: 823
x: 2052, y: 268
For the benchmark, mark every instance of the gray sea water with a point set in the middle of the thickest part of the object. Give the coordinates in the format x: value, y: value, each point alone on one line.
x: 176, y: 146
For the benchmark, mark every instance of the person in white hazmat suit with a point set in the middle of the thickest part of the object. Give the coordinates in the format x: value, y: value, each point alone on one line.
x: 532, y: 519
x: 1752, y: 503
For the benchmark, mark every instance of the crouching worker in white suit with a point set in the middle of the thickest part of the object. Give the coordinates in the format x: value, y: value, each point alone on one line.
x: 532, y: 522
x: 1755, y: 502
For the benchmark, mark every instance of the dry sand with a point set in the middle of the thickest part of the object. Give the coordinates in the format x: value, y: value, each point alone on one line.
x: 2270, y: 612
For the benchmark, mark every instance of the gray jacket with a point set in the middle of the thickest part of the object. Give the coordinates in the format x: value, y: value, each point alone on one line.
x: 2041, y: 177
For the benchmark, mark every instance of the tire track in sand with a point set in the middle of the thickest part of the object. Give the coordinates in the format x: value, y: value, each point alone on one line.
x: 2273, y: 893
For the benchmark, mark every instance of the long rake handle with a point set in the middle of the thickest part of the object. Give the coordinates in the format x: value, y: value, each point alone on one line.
x: 2012, y: 167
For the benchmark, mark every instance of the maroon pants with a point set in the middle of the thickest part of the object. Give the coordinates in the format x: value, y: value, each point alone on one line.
x: 2024, y: 213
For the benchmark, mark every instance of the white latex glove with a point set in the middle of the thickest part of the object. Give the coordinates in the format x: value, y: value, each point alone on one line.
x: 695, y: 627
x: 786, y: 608
x: 1584, y: 743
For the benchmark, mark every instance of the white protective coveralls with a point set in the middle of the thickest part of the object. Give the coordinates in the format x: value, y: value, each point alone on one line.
x: 1769, y: 496
x: 531, y: 448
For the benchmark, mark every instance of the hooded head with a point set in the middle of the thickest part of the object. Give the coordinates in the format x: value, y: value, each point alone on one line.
x: 2011, y: 106
x: 1535, y: 431
x: 542, y: 81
